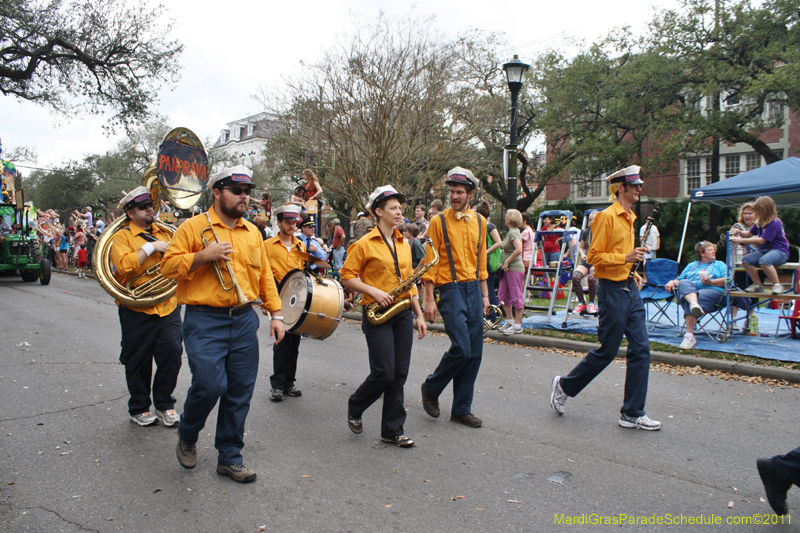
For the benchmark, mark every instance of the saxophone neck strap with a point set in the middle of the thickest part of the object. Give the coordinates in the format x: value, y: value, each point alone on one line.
x: 393, y: 251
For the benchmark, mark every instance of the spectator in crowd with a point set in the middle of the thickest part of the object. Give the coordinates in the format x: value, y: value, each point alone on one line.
x: 700, y: 287
x: 773, y: 246
x: 510, y: 291
x: 86, y: 216
x: 82, y: 260
x: 362, y: 225
x: 312, y: 195
x: 63, y: 250
x: 420, y: 214
x: 745, y: 221
x: 336, y: 234
x: 99, y: 224
x: 261, y: 224
x: 411, y: 234
x: 495, y: 256
x: 653, y: 241
x: 436, y: 208
x: 79, y: 240
x: 297, y: 196
x: 527, y: 235
x: 550, y: 248
x: 585, y: 269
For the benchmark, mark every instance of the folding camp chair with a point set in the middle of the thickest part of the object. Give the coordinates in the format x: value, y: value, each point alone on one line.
x: 659, y: 273
x: 717, y: 316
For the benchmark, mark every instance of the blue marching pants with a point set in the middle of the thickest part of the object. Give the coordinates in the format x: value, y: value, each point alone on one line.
x: 621, y: 312
x: 461, y: 307
x: 223, y: 357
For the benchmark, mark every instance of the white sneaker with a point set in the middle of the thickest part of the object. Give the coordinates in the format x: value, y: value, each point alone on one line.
x: 777, y: 288
x: 144, y: 419
x: 696, y: 310
x: 642, y: 422
x: 557, y: 396
x: 169, y: 417
x: 513, y: 329
x: 689, y: 342
x: 504, y: 327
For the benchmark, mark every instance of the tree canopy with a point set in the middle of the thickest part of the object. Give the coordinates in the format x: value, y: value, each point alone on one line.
x: 86, y: 56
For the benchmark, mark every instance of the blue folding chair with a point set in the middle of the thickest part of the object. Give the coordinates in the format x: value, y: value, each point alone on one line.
x: 659, y: 273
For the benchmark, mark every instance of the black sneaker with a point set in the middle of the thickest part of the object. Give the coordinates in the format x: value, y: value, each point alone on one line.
x: 276, y: 395
x: 775, y: 485
x: 429, y: 403
x: 187, y: 454
x: 237, y: 472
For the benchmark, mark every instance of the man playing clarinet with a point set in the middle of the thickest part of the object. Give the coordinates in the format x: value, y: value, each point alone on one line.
x: 612, y: 253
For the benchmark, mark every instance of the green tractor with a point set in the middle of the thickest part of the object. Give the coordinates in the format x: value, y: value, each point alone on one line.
x: 20, y: 249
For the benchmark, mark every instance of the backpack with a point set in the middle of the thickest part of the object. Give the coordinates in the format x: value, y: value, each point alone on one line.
x: 496, y: 257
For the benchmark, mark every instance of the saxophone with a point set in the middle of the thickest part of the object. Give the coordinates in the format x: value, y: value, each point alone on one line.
x: 377, y: 315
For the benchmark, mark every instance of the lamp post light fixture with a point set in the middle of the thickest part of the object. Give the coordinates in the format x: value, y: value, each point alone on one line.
x: 515, y: 72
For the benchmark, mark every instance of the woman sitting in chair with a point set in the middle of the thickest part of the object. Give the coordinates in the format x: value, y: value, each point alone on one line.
x: 700, y: 288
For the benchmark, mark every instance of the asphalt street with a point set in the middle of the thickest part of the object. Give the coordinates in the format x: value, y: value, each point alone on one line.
x: 71, y: 461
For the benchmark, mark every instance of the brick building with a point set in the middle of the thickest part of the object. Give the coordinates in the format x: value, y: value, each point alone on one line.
x: 694, y: 171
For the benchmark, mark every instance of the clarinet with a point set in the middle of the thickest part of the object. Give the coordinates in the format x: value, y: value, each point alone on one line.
x: 647, y: 228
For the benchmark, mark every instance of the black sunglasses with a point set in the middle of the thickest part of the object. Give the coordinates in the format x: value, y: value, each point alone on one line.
x: 239, y: 190
x: 145, y: 207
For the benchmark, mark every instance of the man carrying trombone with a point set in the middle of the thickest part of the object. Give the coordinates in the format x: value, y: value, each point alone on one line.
x: 149, y: 332
x: 221, y: 266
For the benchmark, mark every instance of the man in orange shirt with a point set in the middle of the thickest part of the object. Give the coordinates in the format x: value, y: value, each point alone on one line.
x: 621, y: 311
x: 459, y: 236
x: 152, y: 332
x: 220, y: 332
x: 282, y: 252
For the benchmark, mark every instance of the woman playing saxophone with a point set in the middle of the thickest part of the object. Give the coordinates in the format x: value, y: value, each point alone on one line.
x: 382, y: 260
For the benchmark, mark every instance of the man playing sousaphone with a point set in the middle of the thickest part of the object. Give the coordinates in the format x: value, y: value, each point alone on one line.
x: 382, y: 261
x: 148, y: 333
x: 220, y: 332
x: 283, y: 251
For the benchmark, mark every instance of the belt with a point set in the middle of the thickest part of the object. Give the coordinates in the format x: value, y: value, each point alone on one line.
x: 611, y: 281
x: 227, y: 311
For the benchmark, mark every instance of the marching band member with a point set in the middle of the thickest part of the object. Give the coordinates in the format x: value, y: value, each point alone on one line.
x: 611, y: 252
x: 282, y: 254
x: 220, y: 336
x: 459, y: 234
x: 382, y: 260
x: 152, y: 332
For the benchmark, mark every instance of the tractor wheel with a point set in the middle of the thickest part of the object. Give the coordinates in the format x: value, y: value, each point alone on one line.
x: 44, y: 274
x: 29, y: 275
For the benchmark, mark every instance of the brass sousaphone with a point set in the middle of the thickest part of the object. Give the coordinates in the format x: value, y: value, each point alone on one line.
x: 179, y: 175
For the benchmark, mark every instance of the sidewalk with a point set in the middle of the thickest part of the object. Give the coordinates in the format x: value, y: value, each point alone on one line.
x: 744, y: 369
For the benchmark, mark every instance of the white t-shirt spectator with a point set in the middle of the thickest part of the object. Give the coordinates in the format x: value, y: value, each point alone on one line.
x: 652, y: 240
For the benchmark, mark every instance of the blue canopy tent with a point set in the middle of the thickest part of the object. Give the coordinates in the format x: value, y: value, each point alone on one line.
x: 779, y: 180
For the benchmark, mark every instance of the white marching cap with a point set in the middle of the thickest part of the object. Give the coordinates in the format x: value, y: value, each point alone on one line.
x: 139, y: 195
x: 290, y: 211
x: 237, y: 174
x: 462, y: 176
x: 381, y: 193
x: 626, y: 175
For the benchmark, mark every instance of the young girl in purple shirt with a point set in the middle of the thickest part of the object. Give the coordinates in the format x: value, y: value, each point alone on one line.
x: 773, y: 246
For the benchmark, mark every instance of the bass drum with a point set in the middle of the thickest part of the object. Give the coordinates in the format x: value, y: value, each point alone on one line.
x: 310, y: 307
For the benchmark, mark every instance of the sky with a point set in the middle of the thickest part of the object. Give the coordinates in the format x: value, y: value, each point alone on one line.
x: 234, y: 48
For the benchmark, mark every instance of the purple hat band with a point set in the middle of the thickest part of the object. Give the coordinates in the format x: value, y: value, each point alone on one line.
x: 632, y: 178
x: 243, y: 178
x: 142, y: 198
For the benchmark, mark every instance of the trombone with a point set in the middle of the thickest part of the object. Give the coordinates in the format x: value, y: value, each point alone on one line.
x: 232, y: 284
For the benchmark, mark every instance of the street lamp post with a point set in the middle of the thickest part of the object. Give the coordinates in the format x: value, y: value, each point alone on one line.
x: 515, y: 71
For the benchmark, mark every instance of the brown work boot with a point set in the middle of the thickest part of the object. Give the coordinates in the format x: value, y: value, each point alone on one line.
x: 429, y: 403
x: 237, y: 472
x: 187, y: 454
x: 468, y: 420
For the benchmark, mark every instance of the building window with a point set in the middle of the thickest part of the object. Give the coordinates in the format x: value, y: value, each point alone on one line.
x: 692, y: 174
x: 249, y: 130
x: 226, y: 136
x: 774, y: 110
x: 732, y: 166
x: 587, y: 189
x: 242, y: 131
x: 778, y: 153
x: 753, y: 161
x: 708, y: 171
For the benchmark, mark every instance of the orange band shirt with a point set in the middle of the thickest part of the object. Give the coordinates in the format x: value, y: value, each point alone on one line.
x: 124, y: 255
x: 369, y: 258
x: 612, y: 239
x: 249, y: 261
x: 464, y: 238
x: 280, y: 259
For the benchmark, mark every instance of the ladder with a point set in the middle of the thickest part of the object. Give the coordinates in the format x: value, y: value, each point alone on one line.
x: 548, y: 269
x: 584, y: 225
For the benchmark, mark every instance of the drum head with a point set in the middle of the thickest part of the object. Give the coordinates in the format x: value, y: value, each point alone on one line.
x: 295, y: 293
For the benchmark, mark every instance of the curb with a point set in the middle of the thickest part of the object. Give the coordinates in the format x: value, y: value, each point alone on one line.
x: 744, y: 369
